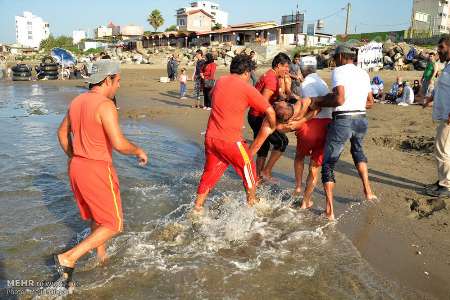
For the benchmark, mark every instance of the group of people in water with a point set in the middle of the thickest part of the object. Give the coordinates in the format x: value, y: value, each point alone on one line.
x: 290, y: 96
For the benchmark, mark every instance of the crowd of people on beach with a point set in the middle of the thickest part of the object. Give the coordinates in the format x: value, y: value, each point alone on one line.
x: 403, y: 93
x: 288, y: 97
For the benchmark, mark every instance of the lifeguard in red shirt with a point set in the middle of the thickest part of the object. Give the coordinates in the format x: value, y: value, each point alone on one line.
x: 224, y: 144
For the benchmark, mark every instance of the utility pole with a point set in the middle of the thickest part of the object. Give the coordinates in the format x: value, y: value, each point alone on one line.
x: 349, y: 7
x: 297, y: 25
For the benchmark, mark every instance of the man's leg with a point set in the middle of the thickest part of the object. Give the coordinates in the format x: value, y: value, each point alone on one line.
x: 359, y: 127
x: 442, y: 154
x: 213, y: 170
x: 96, y: 239
x: 101, y: 250
x: 280, y: 142
x: 311, y: 182
x: 338, y: 133
x: 298, y: 169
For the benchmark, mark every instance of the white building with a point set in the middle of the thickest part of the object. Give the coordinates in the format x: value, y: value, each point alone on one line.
x: 78, y: 35
x: 31, y: 30
x: 103, y: 31
x: 431, y: 16
x: 212, y: 8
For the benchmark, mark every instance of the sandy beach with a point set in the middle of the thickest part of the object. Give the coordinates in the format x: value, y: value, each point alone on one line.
x: 408, y: 246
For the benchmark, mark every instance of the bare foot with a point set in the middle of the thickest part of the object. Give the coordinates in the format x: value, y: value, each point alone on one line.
x: 65, y: 262
x: 198, y: 209
x: 306, y: 204
x: 253, y: 202
x: 102, y: 259
x: 268, y: 178
x: 297, y: 192
x: 371, y: 198
x: 330, y: 217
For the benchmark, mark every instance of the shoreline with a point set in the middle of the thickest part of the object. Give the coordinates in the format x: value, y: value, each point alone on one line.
x: 386, y: 234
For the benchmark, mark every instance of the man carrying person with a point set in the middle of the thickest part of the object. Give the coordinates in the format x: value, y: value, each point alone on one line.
x: 350, y: 98
x: 224, y: 144
x: 441, y: 114
x: 197, y: 78
x: 88, y: 134
x: 269, y: 86
x: 311, y: 131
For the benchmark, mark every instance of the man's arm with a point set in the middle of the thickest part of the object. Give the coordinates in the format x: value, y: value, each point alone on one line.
x: 64, y: 137
x: 110, y: 120
x: 370, y: 101
x: 262, y: 136
x: 271, y: 118
x: 334, y: 99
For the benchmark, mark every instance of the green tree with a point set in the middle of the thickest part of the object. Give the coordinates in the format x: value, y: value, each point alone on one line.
x: 217, y: 26
x: 58, y: 42
x: 155, y: 19
x: 171, y: 28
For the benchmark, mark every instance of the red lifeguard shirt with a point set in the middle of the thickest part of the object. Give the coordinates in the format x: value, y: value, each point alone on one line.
x: 268, y: 80
x: 89, y: 139
x: 231, y: 98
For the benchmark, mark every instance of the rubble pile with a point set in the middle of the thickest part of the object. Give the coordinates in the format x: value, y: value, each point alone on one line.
x: 404, y: 57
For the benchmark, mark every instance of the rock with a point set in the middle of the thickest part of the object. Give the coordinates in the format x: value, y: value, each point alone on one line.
x: 426, y: 207
x: 410, y: 67
x: 230, y: 54
x: 387, y: 60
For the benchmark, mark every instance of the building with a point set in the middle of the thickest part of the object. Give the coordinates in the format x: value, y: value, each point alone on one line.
x: 78, y: 36
x: 430, y: 16
x: 31, y: 30
x: 194, y: 21
x: 132, y: 32
x: 218, y: 16
x: 115, y: 29
x: 103, y: 31
x: 92, y: 44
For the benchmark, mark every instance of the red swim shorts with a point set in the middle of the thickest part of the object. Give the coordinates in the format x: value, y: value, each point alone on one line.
x: 96, y: 189
x: 219, y: 155
x: 311, y: 139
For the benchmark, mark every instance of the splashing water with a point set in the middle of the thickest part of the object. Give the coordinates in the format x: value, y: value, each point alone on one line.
x: 166, y: 252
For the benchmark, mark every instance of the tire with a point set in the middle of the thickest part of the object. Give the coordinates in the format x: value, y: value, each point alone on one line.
x: 22, y: 74
x: 51, y: 73
x: 52, y: 67
x: 16, y: 78
x: 20, y: 68
x: 48, y: 60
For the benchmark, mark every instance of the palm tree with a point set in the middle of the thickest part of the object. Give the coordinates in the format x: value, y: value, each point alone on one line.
x: 155, y: 19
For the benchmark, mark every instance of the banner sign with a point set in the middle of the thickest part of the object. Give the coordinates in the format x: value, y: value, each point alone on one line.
x: 370, y: 56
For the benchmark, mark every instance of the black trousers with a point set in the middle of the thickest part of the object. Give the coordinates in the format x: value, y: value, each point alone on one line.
x: 278, y: 139
x: 207, y: 97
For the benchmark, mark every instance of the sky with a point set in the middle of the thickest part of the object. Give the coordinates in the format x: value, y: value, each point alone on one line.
x: 65, y: 16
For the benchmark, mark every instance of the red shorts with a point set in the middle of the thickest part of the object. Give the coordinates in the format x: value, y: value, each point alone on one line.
x: 219, y: 155
x: 96, y: 189
x: 311, y: 139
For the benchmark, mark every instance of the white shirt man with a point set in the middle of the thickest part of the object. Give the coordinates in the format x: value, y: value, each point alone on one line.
x: 407, y: 96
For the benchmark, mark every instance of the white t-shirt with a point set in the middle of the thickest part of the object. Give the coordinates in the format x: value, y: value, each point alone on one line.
x: 314, y: 86
x: 441, y: 103
x: 356, y: 83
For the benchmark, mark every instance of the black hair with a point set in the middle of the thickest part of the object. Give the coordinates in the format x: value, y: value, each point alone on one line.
x: 282, y: 115
x: 106, y: 56
x: 297, y: 55
x: 280, y: 58
x: 199, y: 51
x: 242, y: 63
x: 445, y: 39
x: 252, y: 52
x: 93, y: 85
x: 346, y: 56
x: 209, y: 58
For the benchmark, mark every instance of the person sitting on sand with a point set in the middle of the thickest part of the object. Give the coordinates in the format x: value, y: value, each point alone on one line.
x: 224, y: 143
x: 407, y: 97
x: 395, y: 91
x: 351, y: 97
x: 377, y: 87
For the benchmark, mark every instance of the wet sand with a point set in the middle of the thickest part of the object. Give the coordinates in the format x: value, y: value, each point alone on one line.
x: 413, y: 252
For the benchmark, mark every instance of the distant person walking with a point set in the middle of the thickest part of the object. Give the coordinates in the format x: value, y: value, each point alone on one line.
x: 197, y: 78
x: 208, y: 74
x: 183, y: 83
x: 441, y: 114
x: 296, y: 75
x: 350, y: 98
x: 88, y: 134
x: 253, y: 74
x: 172, y: 68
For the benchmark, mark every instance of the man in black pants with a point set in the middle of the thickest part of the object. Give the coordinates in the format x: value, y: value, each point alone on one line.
x: 269, y: 86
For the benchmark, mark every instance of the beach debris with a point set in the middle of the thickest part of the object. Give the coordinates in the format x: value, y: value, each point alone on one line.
x: 426, y: 207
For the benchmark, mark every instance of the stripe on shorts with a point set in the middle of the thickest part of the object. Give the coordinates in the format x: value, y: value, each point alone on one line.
x: 114, y: 198
x: 248, y: 173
